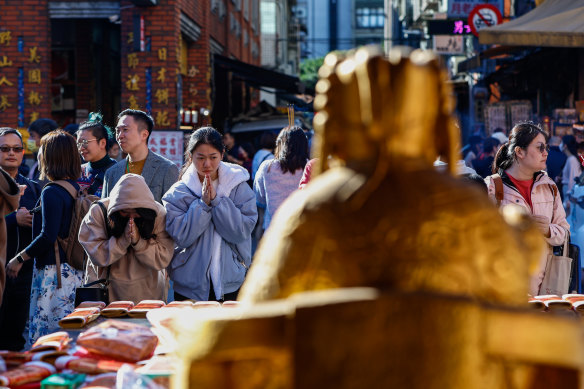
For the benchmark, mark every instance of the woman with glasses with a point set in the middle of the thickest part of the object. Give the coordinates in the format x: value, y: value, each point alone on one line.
x: 520, y: 163
x: 130, y: 246
x: 92, y: 141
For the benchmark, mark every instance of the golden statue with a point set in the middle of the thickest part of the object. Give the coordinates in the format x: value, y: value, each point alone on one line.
x: 383, y: 272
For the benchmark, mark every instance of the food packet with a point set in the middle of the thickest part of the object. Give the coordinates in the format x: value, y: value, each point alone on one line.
x: 79, y: 317
x: 92, y: 304
x: 87, y: 365
x: 117, y: 309
x: 140, y: 310
x: 56, y: 341
x: 119, y: 340
x: 27, y: 373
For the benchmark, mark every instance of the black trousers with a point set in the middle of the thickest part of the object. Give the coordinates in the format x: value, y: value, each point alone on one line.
x: 15, y: 310
x: 226, y: 297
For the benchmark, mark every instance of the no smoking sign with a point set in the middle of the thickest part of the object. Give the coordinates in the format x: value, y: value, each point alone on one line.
x: 482, y: 16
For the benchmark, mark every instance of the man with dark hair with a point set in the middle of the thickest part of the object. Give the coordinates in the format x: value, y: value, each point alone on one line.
x: 15, y: 304
x: 132, y: 133
x: 37, y: 130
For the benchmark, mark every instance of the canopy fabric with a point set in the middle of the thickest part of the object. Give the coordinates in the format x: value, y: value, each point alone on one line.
x: 259, y: 76
x: 555, y: 23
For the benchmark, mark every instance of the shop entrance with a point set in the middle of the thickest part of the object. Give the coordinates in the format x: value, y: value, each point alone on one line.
x: 85, y: 70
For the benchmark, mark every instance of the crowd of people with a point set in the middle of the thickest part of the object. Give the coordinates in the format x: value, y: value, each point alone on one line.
x: 153, y: 225
x: 156, y: 229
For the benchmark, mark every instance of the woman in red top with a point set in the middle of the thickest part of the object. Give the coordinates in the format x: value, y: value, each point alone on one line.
x: 521, y: 163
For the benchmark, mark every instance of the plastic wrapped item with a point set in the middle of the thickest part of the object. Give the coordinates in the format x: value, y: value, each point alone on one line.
x: 207, y: 304
x: 92, y: 304
x: 79, y: 317
x: 180, y: 304
x: 107, y: 380
x: 88, y: 365
x: 56, y: 341
x: 117, y: 309
x: 140, y: 310
x: 27, y: 373
x: 128, y: 378
x: 63, y: 380
x: 49, y: 356
x: 119, y: 340
x: 15, y: 358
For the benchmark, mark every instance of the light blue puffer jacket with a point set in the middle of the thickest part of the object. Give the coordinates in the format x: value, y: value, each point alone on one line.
x: 192, y: 224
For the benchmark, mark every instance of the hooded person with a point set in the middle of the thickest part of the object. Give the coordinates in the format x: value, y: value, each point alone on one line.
x: 135, y: 247
x: 211, y: 214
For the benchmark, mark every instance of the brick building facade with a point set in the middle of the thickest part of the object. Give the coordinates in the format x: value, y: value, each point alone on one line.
x: 63, y: 59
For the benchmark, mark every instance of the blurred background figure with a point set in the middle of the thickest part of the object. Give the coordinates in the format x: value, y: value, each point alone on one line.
x: 472, y: 149
x: 37, y: 130
x: 266, y: 152
x: 92, y: 141
x: 246, y: 153
x: 114, y: 151
x: 556, y: 161
x: 232, y: 149
x: 277, y: 178
x: 572, y: 168
x: 483, y: 165
x: 15, y: 303
x: 500, y: 135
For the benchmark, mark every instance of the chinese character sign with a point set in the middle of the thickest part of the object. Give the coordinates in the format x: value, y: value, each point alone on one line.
x: 169, y: 144
x: 462, y: 8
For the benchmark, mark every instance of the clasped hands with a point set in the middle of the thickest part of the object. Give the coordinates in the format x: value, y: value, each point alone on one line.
x: 208, y: 191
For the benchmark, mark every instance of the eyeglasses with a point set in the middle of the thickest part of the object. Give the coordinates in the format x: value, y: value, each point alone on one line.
x: 543, y: 147
x: 6, y: 149
x: 83, y: 143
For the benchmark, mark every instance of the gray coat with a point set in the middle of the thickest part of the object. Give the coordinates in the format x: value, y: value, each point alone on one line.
x: 159, y: 173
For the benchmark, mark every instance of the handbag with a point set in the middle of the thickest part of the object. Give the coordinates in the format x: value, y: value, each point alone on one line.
x: 90, y: 292
x: 558, y: 270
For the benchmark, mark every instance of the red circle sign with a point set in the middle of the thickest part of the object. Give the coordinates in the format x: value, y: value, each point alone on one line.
x: 482, y: 16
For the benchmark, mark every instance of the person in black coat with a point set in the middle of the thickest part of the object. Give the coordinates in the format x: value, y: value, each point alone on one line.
x: 15, y: 302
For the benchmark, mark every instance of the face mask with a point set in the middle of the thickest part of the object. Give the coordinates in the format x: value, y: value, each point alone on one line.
x: 31, y: 146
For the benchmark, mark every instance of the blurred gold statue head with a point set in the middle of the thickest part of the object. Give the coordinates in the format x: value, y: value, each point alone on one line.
x: 377, y: 122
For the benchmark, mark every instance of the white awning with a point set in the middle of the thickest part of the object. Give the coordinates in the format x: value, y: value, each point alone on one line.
x: 555, y: 23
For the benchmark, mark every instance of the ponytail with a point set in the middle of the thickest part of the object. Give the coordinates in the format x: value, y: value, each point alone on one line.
x: 503, y: 159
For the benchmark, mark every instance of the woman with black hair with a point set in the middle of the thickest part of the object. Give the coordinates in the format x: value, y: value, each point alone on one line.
x: 132, y: 242
x: 520, y: 166
x: 93, y: 141
x: 211, y: 213
x: 277, y: 178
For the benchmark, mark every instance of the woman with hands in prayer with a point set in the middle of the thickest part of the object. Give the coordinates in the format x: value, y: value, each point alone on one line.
x: 211, y: 213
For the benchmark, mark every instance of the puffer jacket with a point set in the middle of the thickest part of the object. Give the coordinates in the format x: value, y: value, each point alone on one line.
x: 544, y: 203
x: 137, y: 272
x: 221, y: 229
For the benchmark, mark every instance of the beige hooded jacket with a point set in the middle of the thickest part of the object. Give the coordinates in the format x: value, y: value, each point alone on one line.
x: 137, y: 272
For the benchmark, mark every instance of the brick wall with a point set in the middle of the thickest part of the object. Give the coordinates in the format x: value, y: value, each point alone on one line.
x: 23, y: 47
x: 160, y: 63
